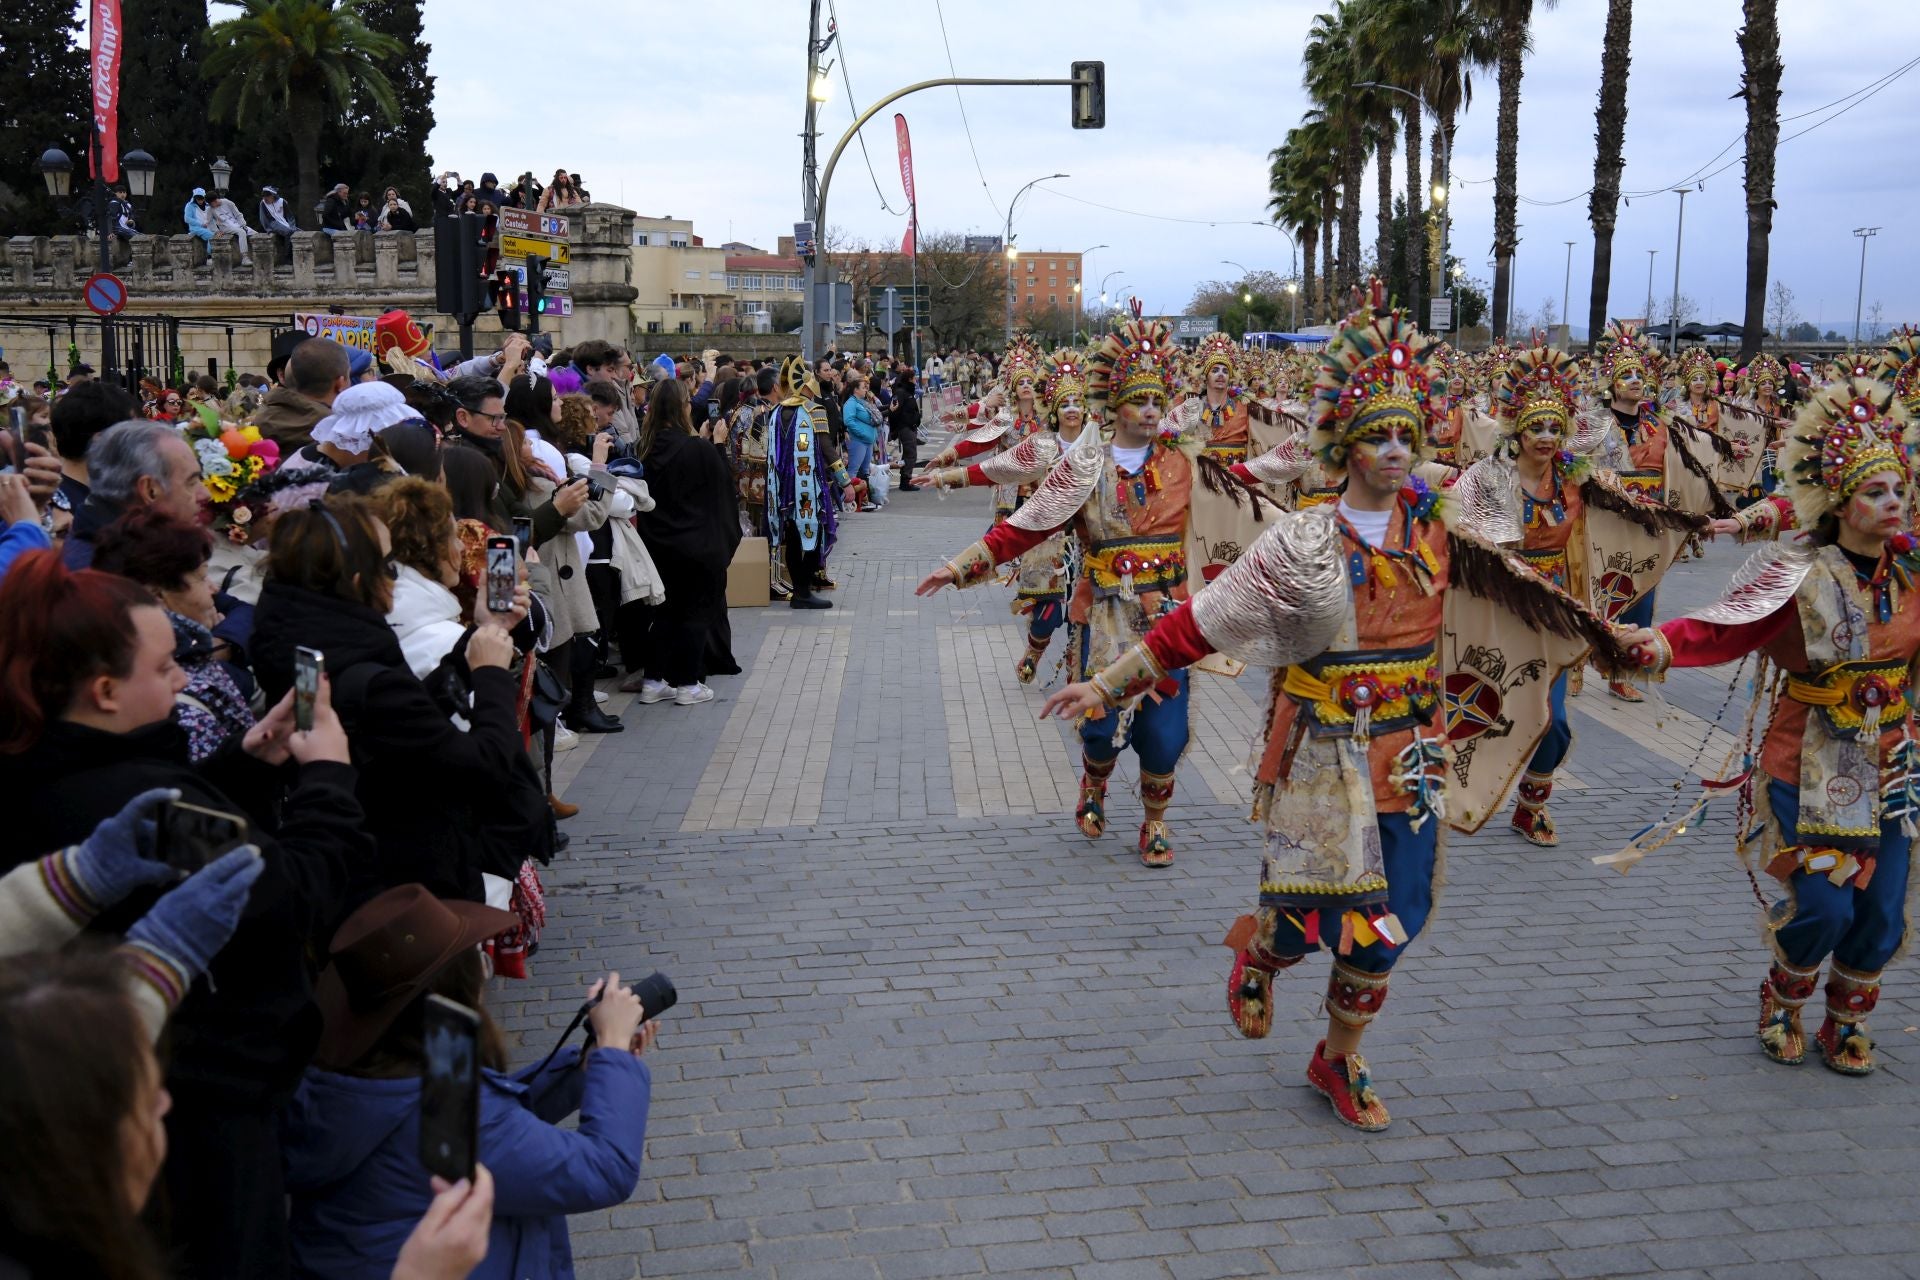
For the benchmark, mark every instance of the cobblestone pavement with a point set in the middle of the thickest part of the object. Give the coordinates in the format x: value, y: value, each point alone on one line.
x: 925, y: 1029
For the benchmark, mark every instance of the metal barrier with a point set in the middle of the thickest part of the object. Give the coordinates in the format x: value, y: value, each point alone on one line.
x: 147, y: 347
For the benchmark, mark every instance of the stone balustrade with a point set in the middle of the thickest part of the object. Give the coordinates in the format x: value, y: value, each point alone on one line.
x: 305, y: 264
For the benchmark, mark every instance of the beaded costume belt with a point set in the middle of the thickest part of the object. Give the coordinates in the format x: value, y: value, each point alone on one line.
x: 1856, y: 697
x: 1133, y: 565
x: 1365, y: 692
x: 1226, y: 453
x: 1316, y: 497
x: 1549, y: 562
x: 1651, y: 485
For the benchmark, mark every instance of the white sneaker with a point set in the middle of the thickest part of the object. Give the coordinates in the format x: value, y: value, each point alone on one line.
x: 600, y: 696
x: 564, y: 739
x: 692, y: 695
x: 655, y: 691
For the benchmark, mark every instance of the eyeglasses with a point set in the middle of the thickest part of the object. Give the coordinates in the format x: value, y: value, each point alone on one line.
x: 498, y: 419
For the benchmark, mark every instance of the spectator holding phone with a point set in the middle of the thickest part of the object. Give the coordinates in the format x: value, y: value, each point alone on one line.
x: 87, y: 685
x: 353, y: 1133
x: 396, y: 214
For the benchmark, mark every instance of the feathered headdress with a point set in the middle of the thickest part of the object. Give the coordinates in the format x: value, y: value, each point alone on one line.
x: 1899, y: 368
x: 1698, y: 362
x: 1130, y: 364
x: 1066, y: 380
x: 1854, y: 364
x: 1538, y: 387
x: 1022, y: 364
x: 1623, y: 350
x: 1218, y: 349
x: 1844, y: 433
x: 1372, y: 375
x: 1763, y: 370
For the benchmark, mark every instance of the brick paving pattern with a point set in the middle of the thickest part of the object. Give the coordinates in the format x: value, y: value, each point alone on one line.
x: 915, y: 1042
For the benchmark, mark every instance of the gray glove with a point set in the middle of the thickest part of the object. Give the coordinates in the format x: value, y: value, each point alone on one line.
x: 183, y: 931
x: 114, y: 861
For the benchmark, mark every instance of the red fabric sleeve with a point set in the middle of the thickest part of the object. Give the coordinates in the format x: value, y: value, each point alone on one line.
x: 1007, y: 542
x: 1243, y: 475
x: 1706, y: 644
x: 975, y: 476
x: 971, y: 448
x: 1175, y: 640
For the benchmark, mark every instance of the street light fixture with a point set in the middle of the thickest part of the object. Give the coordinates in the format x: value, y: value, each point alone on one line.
x: 1011, y: 251
x: 1865, y: 234
x: 222, y: 175
x: 56, y: 170
x: 1439, y: 187
x: 1439, y: 193
x: 822, y: 88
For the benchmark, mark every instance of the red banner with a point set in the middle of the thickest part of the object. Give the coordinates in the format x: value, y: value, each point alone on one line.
x: 905, y: 142
x: 105, y: 41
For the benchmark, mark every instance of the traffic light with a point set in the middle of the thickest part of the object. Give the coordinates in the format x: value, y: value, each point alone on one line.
x: 506, y: 298
x: 1089, y: 95
x: 536, y: 286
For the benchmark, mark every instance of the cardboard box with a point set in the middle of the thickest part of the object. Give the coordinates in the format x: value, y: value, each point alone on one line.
x: 750, y: 576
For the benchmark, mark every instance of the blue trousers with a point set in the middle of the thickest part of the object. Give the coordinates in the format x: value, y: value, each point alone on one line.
x: 1860, y: 928
x: 1553, y: 747
x: 1158, y: 734
x: 1408, y: 857
x: 1639, y: 613
x: 1045, y: 620
x: 859, y: 454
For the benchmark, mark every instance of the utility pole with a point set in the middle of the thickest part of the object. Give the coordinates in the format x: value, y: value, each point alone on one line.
x: 1865, y: 234
x: 1012, y: 252
x: 1673, y: 317
x: 1564, y: 286
x: 1650, y: 254
x: 810, y: 178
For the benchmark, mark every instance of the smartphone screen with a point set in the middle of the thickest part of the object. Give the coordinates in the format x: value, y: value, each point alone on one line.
x: 307, y: 666
x: 450, y: 1089
x: 189, y: 836
x: 501, y: 574
x: 523, y: 533
x: 17, y: 430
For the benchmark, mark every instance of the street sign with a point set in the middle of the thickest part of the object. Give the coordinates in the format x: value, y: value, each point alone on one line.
x: 890, y: 312
x: 524, y: 222
x: 529, y: 247
x: 348, y: 331
x: 560, y: 305
x: 1441, y: 317
x: 803, y: 241
x: 106, y: 294
x: 559, y: 280
x: 981, y: 244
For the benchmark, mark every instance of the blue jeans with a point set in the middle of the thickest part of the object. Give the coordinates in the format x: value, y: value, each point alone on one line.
x: 1639, y: 613
x: 1860, y: 928
x: 1158, y: 734
x: 1559, y: 736
x: 859, y: 454
x: 1407, y: 857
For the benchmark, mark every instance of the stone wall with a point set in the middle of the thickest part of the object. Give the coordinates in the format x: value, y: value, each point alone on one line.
x: 358, y: 274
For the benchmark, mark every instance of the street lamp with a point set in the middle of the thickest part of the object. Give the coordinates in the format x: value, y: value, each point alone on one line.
x: 1082, y: 276
x: 140, y: 168
x: 822, y: 88
x: 56, y: 170
x: 1673, y: 316
x: 1865, y: 234
x: 1012, y: 253
x: 222, y: 174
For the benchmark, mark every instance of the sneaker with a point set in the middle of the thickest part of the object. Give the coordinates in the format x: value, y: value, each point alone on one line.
x: 692, y: 695
x: 600, y: 697
x: 564, y: 739
x: 870, y: 506
x: 652, y: 691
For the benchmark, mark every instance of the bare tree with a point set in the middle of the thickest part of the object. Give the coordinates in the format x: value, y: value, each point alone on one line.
x: 1548, y: 314
x: 1678, y: 308
x: 1781, y: 313
x: 1876, y: 321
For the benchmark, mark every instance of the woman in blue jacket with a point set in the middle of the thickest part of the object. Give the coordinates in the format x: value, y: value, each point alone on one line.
x: 352, y: 1134
x: 863, y: 426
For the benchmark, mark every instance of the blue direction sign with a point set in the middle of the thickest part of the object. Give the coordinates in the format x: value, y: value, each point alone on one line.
x: 106, y: 294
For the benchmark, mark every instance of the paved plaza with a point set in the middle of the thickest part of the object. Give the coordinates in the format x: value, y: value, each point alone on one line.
x: 925, y: 1029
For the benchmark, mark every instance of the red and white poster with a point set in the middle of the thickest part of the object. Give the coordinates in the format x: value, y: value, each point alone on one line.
x: 906, y: 181
x: 104, y: 37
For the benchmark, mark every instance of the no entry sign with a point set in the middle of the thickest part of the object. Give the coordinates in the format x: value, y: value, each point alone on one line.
x: 106, y: 294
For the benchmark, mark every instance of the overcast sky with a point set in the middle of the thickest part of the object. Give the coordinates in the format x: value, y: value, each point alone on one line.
x: 697, y: 116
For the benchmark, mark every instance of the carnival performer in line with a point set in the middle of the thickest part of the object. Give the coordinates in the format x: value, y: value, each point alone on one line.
x: 805, y: 481
x: 1839, y: 772
x: 1216, y: 413
x: 1012, y: 414
x: 1129, y: 505
x: 1532, y: 495
x: 1899, y: 370
x: 1627, y: 373
x: 1697, y: 377
x: 1040, y: 579
x: 1345, y: 601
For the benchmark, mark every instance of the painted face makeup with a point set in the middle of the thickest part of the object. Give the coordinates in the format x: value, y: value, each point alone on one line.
x: 1381, y: 460
x: 1878, y: 508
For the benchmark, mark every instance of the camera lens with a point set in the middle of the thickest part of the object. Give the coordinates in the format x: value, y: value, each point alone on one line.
x: 656, y: 994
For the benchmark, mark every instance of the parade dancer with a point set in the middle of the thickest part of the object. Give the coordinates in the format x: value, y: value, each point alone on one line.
x: 1217, y: 415
x: 1129, y: 506
x: 1834, y: 607
x: 801, y: 506
x: 1040, y: 578
x: 1012, y: 413
x: 1345, y: 602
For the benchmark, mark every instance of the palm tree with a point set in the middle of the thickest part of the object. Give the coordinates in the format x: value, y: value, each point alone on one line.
x: 1294, y: 181
x: 1508, y: 21
x: 1394, y: 41
x: 1610, y: 133
x: 1318, y: 166
x: 301, y: 59
x: 1331, y: 68
x: 1760, y: 86
x: 1458, y: 41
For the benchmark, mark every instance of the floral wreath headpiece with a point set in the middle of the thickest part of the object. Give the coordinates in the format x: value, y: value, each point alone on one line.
x: 1372, y: 375
x: 1538, y: 387
x: 1130, y: 364
x: 1844, y: 433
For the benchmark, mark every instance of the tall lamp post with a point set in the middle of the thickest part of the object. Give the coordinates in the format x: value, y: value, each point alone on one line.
x: 1565, y: 286
x: 1865, y: 234
x: 1293, y: 266
x: 1439, y: 275
x: 1673, y: 309
x: 1013, y: 253
x: 1650, y: 257
x: 56, y: 170
x: 1080, y: 279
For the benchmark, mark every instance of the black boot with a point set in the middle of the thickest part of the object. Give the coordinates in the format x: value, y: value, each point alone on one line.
x: 808, y: 601
x: 592, y: 719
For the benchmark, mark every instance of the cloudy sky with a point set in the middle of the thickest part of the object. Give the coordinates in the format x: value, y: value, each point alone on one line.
x: 696, y: 115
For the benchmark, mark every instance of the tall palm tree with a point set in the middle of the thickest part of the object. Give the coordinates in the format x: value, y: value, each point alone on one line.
x: 1458, y: 42
x: 1394, y: 40
x: 1610, y: 133
x: 1509, y: 21
x: 1331, y: 68
x: 1320, y: 158
x: 1294, y: 181
x: 1760, y: 86
x: 302, y: 60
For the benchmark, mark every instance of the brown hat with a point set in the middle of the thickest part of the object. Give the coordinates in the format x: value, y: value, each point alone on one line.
x: 384, y: 956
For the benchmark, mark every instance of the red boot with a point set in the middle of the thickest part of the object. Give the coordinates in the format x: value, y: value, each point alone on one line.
x: 1530, y: 816
x: 1091, y: 813
x: 1344, y: 1081
x: 1844, y: 1043
x: 1783, y: 992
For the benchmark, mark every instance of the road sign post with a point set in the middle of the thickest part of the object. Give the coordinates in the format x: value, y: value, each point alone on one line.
x: 534, y: 247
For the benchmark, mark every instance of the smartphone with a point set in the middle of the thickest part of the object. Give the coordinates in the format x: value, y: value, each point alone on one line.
x: 502, y: 573
x: 537, y: 367
x: 308, y: 664
x: 189, y: 836
x: 713, y: 409
x: 450, y: 1089
x: 523, y: 533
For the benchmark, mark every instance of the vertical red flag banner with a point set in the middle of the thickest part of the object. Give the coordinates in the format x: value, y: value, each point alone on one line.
x: 901, y: 136
x: 105, y: 40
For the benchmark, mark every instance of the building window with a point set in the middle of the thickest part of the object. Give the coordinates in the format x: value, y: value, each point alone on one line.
x: 640, y: 239
x: 752, y: 307
x: 753, y: 282
x: 733, y: 281
x: 686, y: 326
x: 1053, y: 299
x: 692, y: 275
x: 1029, y: 299
x: 678, y: 239
x: 793, y: 283
x: 1052, y: 265
x: 1032, y: 266
x: 1053, y: 282
x: 653, y: 326
x: 716, y: 275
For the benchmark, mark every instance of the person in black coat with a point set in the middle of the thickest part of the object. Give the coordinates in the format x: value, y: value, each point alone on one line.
x: 691, y: 533
x: 442, y: 805
x: 96, y: 653
x: 903, y: 424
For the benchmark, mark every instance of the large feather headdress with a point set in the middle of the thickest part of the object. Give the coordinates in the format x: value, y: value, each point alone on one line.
x: 1845, y: 432
x: 1538, y: 387
x: 1066, y: 380
x: 1899, y: 368
x: 1373, y: 373
x: 1130, y: 364
x: 1624, y: 349
x: 1217, y: 349
x: 1022, y: 364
